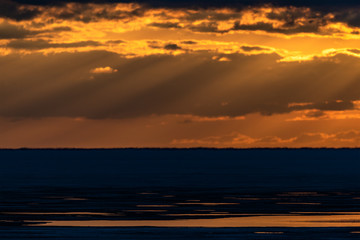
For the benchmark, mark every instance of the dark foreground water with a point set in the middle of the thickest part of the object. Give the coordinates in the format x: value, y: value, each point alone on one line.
x: 180, y: 194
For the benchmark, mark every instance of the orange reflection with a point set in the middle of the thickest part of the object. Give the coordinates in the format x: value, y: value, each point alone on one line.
x: 345, y: 220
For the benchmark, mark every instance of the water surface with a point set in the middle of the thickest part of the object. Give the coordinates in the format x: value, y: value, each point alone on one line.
x: 177, y: 194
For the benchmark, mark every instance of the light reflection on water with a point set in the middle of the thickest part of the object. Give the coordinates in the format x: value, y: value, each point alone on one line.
x: 60, y: 213
x: 269, y: 232
x: 182, y: 208
x: 298, y: 203
x: 206, y: 204
x: 154, y: 206
x: 336, y: 220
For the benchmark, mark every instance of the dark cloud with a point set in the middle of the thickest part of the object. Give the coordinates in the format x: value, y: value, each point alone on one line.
x: 252, y: 48
x: 334, y: 105
x: 300, y: 19
x: 60, y: 85
x: 43, y: 44
x: 288, y: 27
x: 350, y: 16
x: 165, y: 25
x: 154, y: 44
x: 320, y: 4
x: 207, y: 27
x: 356, y: 51
x: 172, y: 46
x: 285, y: 29
x: 189, y: 42
x: 12, y: 10
x: 61, y: 29
x: 115, y: 41
x: 296, y: 18
x: 293, y: 15
x: 80, y: 11
x: 210, y: 15
x: 315, y: 114
x: 9, y: 31
x: 89, y: 13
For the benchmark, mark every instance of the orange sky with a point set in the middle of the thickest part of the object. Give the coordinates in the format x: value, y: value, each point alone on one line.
x: 131, y: 75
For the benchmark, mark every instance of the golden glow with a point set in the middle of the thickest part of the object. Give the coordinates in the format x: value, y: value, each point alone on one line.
x: 103, y: 70
x: 115, y: 28
x: 286, y: 220
x: 125, y: 75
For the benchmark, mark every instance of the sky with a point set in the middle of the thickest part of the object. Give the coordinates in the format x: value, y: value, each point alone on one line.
x: 171, y: 73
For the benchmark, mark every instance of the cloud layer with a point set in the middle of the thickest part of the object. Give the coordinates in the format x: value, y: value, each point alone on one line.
x: 272, y: 16
x: 180, y: 73
x: 69, y: 85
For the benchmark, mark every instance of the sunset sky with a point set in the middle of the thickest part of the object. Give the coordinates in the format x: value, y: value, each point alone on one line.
x: 175, y: 73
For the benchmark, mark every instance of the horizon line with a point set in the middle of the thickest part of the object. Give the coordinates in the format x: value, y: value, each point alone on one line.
x: 189, y: 148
